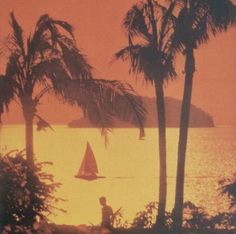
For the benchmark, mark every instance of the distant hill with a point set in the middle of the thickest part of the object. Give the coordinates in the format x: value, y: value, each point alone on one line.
x: 198, y: 117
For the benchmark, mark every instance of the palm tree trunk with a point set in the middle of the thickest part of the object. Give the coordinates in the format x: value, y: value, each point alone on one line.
x: 29, y: 140
x: 183, y: 136
x: 28, y: 111
x: 160, y: 103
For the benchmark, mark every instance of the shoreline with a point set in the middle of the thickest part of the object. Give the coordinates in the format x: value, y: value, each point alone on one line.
x: 86, y: 229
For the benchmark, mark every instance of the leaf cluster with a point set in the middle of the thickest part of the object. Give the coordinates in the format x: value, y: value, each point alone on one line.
x: 26, y: 194
x: 228, y: 187
x: 49, y: 61
x: 149, y: 27
x: 194, y: 218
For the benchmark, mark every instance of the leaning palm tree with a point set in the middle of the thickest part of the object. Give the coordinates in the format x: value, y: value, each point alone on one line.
x: 151, y: 52
x: 197, y: 19
x: 49, y: 62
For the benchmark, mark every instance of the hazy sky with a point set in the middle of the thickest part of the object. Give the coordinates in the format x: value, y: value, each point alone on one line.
x: 99, y: 33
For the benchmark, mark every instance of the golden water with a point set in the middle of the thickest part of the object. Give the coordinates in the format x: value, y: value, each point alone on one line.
x: 130, y: 167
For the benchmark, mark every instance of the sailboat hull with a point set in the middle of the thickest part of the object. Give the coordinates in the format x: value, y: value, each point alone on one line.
x: 89, y: 177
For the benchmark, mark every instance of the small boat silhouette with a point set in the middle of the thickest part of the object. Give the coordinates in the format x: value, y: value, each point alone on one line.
x: 88, y: 169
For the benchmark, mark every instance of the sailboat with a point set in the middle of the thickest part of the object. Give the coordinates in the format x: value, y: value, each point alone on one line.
x: 88, y: 169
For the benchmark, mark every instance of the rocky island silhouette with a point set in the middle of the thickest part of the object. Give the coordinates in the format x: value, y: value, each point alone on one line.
x: 198, y: 117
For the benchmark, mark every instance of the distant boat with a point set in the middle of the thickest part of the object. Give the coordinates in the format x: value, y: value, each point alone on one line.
x: 88, y: 169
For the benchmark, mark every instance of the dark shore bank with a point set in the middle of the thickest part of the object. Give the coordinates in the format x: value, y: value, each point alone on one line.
x: 82, y: 229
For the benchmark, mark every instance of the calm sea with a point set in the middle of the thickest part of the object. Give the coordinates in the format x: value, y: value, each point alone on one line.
x: 130, y: 166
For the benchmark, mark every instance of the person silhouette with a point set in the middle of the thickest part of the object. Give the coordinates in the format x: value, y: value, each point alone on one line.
x: 107, y: 214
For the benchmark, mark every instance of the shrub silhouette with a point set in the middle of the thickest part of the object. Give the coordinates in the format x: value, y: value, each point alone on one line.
x: 228, y: 187
x: 224, y: 220
x: 26, y: 194
x: 147, y: 218
x: 195, y: 217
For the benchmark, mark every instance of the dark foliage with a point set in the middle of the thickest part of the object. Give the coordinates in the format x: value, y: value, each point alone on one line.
x: 228, y: 187
x: 224, y: 221
x: 26, y: 196
x: 151, y: 49
x: 146, y: 218
x: 50, y: 62
x: 198, y: 19
x: 195, y: 219
x: 6, y: 94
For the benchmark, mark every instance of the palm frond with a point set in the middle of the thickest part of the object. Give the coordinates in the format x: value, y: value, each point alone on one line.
x: 168, y: 20
x: 42, y: 124
x: 74, y: 60
x: 144, y: 59
x: 6, y: 93
x: 49, y: 38
x: 221, y: 13
x: 42, y: 93
x: 202, y: 18
x: 38, y: 40
x: 45, y: 22
x: 65, y: 25
x: 82, y: 94
x: 153, y: 58
x: 17, y: 34
x: 15, y: 73
x: 102, y: 100
x: 122, y: 100
x: 183, y: 28
x: 135, y: 22
x: 51, y: 73
x: 200, y: 32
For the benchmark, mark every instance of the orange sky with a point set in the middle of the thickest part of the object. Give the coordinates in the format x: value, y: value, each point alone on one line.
x: 99, y: 34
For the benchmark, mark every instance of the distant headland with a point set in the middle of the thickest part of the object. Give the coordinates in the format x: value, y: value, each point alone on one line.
x: 198, y: 117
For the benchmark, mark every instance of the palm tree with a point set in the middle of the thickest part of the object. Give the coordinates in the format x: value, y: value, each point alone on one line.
x: 50, y: 62
x: 196, y: 20
x: 151, y: 52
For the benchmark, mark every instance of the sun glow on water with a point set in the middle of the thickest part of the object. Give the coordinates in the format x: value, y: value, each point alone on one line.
x: 130, y: 167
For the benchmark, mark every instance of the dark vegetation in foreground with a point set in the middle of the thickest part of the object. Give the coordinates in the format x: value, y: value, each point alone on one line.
x: 26, y: 194
x: 26, y: 200
x: 67, y: 229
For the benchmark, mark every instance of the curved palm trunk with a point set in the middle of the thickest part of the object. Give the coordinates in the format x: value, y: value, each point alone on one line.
x: 183, y: 136
x: 160, y: 104
x: 28, y: 111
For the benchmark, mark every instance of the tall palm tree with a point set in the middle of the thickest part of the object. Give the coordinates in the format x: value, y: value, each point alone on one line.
x: 50, y: 62
x: 151, y: 52
x: 197, y: 19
